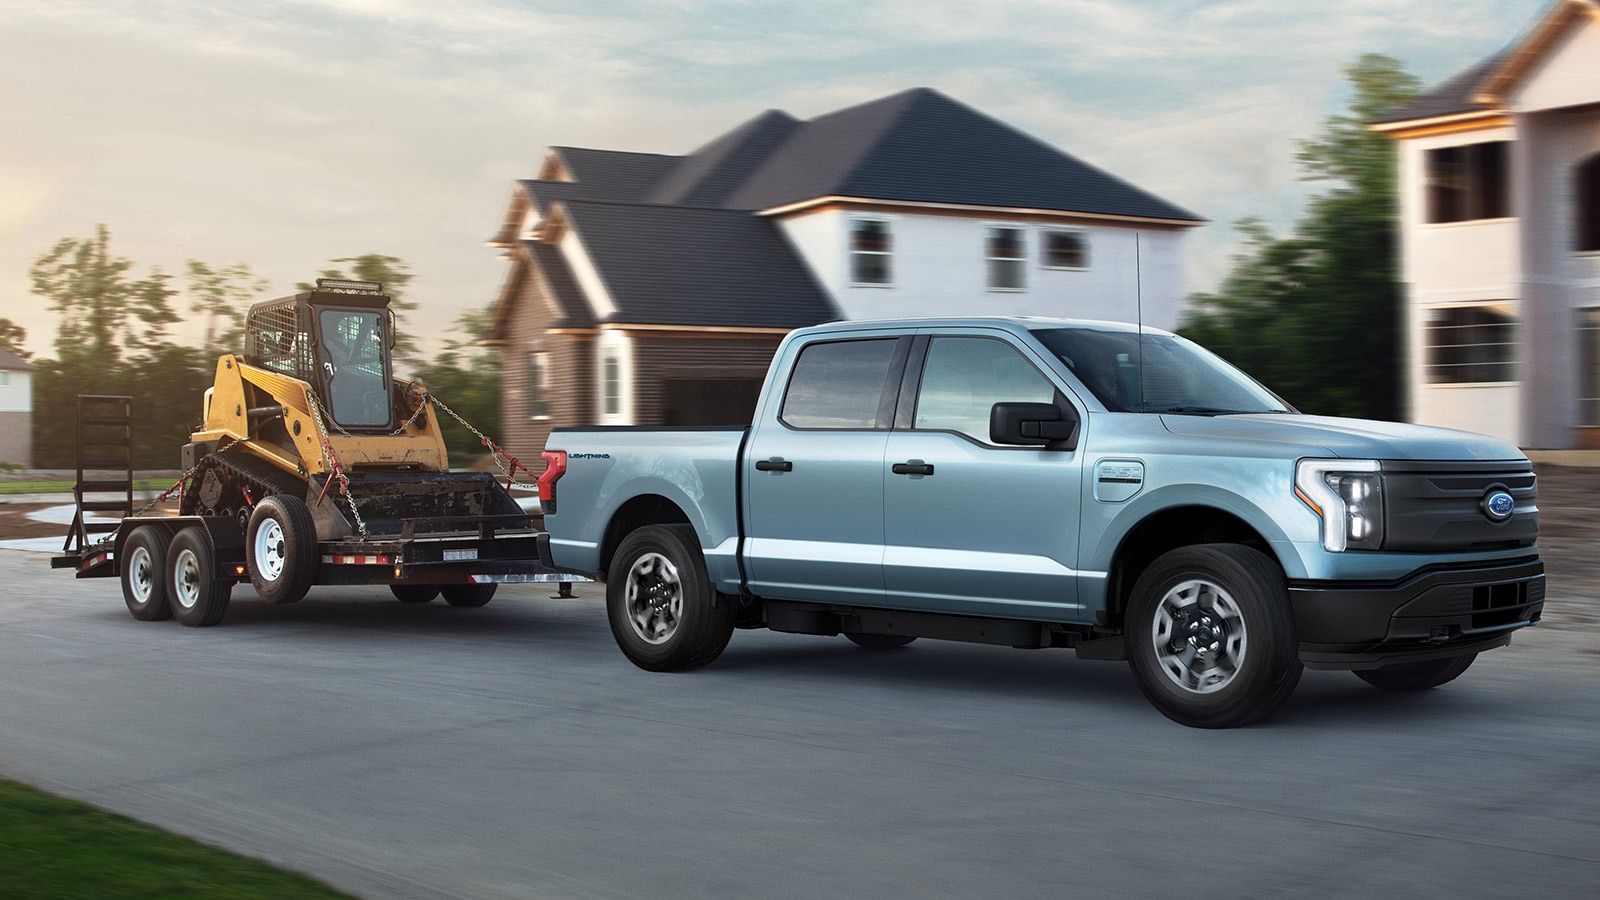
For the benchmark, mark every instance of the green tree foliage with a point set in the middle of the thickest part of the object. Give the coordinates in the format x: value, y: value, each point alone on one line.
x: 12, y: 338
x: 467, y: 379
x: 1317, y: 316
x: 223, y: 295
x: 389, y: 271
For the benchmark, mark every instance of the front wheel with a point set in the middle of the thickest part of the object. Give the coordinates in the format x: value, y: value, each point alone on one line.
x: 1211, y: 638
x: 663, y: 611
x: 1417, y: 676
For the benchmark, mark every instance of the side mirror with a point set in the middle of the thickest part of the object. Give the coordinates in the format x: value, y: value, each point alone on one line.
x: 1033, y: 425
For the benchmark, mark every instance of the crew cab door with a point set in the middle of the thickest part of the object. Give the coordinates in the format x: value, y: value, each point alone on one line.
x: 813, y: 473
x: 970, y: 526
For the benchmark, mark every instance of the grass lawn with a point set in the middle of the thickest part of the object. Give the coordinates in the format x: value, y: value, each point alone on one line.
x: 65, y: 487
x: 52, y: 847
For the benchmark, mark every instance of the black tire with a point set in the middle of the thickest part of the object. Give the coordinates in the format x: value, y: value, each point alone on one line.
x: 664, y: 613
x: 280, y: 548
x: 468, y: 594
x: 1417, y: 676
x: 198, y: 597
x: 144, y: 573
x: 414, y: 593
x: 878, y: 641
x: 1211, y: 638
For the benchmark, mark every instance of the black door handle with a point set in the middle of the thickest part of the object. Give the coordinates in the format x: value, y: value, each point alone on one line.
x: 775, y: 464
x: 912, y: 467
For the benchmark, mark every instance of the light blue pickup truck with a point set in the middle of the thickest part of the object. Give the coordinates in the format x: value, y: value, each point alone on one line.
x: 1053, y: 483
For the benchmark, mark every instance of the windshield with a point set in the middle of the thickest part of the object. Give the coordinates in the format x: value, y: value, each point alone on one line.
x: 355, y: 367
x: 1180, y: 376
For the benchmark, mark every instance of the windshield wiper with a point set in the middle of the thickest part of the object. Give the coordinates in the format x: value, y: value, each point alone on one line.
x: 1198, y: 411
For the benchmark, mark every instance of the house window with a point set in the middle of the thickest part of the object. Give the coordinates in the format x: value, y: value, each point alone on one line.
x: 871, y: 253
x: 1589, y: 353
x: 539, y: 385
x: 5, y: 378
x: 1065, y: 249
x: 1471, y: 345
x: 1469, y: 182
x: 1588, y: 204
x: 611, y: 384
x: 1006, y: 254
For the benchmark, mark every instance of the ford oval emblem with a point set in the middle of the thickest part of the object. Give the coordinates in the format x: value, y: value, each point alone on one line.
x: 1498, y: 505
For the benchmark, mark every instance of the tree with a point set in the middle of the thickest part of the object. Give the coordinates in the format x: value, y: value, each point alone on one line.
x: 389, y: 271
x: 101, y: 310
x: 12, y: 337
x: 1316, y: 316
x: 222, y: 296
x: 467, y: 379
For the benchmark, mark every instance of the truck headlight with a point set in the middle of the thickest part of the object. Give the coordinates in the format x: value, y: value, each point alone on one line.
x: 1348, y: 495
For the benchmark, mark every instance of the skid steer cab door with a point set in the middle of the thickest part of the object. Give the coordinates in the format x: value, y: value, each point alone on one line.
x: 353, y: 366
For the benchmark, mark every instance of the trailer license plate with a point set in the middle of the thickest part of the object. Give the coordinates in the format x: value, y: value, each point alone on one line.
x: 458, y: 555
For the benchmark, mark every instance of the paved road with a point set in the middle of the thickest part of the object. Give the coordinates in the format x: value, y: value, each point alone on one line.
x: 510, y: 751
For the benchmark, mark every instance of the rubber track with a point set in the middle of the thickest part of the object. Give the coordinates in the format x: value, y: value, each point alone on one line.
x: 261, y: 472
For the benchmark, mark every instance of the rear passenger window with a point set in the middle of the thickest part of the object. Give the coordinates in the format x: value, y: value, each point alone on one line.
x: 839, y: 385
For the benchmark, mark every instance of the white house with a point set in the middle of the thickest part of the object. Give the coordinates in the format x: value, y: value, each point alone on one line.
x: 651, y: 289
x: 16, y: 409
x: 1500, y: 238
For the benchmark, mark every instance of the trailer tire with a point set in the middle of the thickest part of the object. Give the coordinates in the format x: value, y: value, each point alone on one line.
x: 663, y: 611
x: 468, y: 594
x: 198, y: 597
x: 414, y: 593
x: 280, y: 548
x: 1210, y: 636
x: 144, y: 573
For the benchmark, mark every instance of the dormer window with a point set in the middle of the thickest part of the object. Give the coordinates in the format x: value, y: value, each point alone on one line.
x: 871, y: 253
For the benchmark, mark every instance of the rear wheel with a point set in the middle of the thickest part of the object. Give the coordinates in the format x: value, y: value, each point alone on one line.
x: 878, y: 641
x: 1417, y: 676
x: 197, y: 595
x: 663, y: 611
x: 468, y: 594
x: 414, y: 593
x: 281, y: 548
x: 144, y: 575
x: 1210, y: 636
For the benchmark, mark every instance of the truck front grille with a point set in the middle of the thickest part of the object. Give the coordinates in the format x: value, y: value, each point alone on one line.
x: 1432, y: 506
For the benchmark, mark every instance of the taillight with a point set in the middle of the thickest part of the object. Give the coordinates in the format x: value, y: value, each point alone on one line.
x: 555, y: 465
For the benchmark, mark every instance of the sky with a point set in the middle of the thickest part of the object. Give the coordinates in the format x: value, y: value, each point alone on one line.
x: 285, y: 134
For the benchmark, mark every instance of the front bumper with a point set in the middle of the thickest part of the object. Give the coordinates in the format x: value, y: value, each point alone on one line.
x: 1432, y: 614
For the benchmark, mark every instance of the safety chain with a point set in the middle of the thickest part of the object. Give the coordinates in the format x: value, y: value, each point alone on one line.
x: 495, y: 450
x: 330, y: 460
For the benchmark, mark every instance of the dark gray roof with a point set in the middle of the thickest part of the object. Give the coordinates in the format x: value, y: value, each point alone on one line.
x: 614, y: 174
x: 918, y: 145
x: 568, y: 297
x: 9, y: 360
x: 666, y: 265
x: 1450, y: 98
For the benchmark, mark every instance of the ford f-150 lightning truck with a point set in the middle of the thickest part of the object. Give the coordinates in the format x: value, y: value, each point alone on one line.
x: 1053, y: 483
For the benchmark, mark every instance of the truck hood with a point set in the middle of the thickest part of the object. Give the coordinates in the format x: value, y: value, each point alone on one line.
x: 1345, y: 438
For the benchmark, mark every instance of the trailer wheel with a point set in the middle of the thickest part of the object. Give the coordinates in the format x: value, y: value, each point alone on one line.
x: 1210, y: 636
x: 414, y: 593
x: 468, y: 594
x: 878, y: 641
x: 1417, y: 676
x: 280, y: 548
x: 664, y: 614
x: 144, y: 573
x: 198, y: 596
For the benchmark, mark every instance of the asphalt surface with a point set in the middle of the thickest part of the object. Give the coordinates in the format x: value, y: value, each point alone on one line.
x: 511, y: 751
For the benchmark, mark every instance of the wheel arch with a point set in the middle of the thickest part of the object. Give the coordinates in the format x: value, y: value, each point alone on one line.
x: 636, y: 513
x: 1168, y: 529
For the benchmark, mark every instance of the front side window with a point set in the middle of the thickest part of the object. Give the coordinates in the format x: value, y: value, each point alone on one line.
x: 1469, y: 182
x: 871, y: 253
x: 1065, y: 249
x: 964, y: 377
x: 355, y: 366
x: 1156, y: 373
x: 539, y: 385
x: 1006, y: 257
x: 1471, y: 345
x: 841, y: 384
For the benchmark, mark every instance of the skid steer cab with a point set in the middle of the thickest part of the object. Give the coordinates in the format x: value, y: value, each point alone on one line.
x: 313, y: 464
